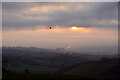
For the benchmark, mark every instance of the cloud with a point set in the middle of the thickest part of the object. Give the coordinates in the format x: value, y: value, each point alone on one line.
x: 61, y: 0
x: 32, y: 15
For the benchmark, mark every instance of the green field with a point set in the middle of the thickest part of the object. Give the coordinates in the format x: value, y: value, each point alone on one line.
x: 32, y: 69
x: 91, y: 68
x: 82, y: 71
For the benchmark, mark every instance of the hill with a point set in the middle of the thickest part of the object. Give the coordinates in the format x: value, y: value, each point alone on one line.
x: 39, y: 60
x: 99, y: 69
x: 108, y: 70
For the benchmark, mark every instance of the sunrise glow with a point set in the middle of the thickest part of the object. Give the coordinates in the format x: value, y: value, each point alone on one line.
x: 81, y: 29
x: 74, y: 28
x: 78, y: 28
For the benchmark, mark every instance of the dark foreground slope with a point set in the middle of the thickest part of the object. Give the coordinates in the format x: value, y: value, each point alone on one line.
x: 101, y: 69
x: 108, y: 70
x: 25, y: 76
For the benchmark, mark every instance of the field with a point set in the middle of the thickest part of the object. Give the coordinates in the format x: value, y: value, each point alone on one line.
x: 93, y: 70
x: 32, y: 69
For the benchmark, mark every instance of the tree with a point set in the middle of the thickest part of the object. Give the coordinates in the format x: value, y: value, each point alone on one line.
x: 26, y: 71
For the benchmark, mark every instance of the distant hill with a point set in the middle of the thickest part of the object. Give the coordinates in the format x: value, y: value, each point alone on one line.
x: 39, y: 60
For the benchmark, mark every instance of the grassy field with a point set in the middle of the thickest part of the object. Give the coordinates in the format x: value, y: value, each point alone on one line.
x: 33, y: 69
x: 80, y: 72
x: 91, y: 68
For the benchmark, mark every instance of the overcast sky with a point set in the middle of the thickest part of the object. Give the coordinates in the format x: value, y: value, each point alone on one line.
x: 27, y: 24
x: 26, y: 15
x: 60, y: 0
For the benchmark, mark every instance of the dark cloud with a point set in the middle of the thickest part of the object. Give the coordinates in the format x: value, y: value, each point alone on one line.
x: 18, y: 15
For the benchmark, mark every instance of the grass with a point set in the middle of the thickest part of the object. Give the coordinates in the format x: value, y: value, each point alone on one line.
x: 83, y: 71
x: 33, y: 69
x: 91, y: 68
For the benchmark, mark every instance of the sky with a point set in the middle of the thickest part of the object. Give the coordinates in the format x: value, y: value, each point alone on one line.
x: 75, y: 25
x: 59, y: 0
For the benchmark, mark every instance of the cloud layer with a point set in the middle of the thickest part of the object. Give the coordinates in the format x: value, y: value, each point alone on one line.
x: 60, y: 0
x: 34, y: 15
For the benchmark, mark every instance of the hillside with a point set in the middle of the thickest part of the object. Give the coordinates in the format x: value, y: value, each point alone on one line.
x: 100, y: 69
x: 93, y: 70
x: 39, y: 60
x: 54, y: 64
